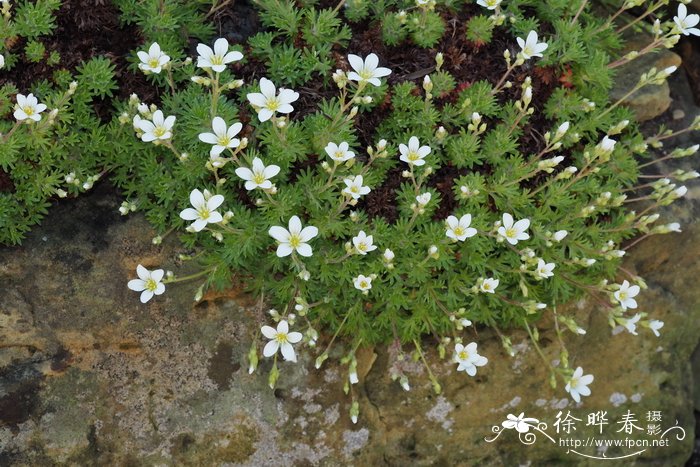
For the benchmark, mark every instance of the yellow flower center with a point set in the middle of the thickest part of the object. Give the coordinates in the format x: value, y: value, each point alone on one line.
x: 258, y: 178
x: 413, y: 155
x: 362, y: 246
x: 459, y: 231
x: 463, y: 355
x: 294, y: 241
x: 204, y: 213
x: 486, y: 286
x: 153, y: 63
x: 511, y: 233
x: 159, y: 131
x: 217, y: 60
x: 273, y: 104
x: 528, y: 50
x: 573, y: 383
x: 28, y: 109
x: 354, y: 189
x: 339, y: 154
x: 224, y: 141
x: 281, y: 337
x: 622, y: 295
x: 151, y: 285
x: 365, y: 74
x: 364, y: 285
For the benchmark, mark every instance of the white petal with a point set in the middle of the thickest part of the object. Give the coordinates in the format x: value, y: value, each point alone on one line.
x: 146, y: 295
x: 279, y: 233
x: 143, y: 273
x: 269, y: 332
x: 305, y: 250
x: 356, y: 63
x: 189, y: 214
x: 219, y: 126
x: 308, y: 233
x: 295, y: 225
x: 288, y: 352
x: 221, y: 46
x: 215, y: 201
x: 209, y: 138
x: 137, y: 285
x: 244, y: 173
x: 267, y: 87
x: 270, y: 348
x: 257, y: 99
x: 197, y: 198
x: 294, y: 337
x: 284, y: 249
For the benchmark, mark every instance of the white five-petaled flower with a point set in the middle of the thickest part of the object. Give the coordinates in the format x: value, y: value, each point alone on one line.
x: 544, y: 270
x: 354, y: 187
x: 655, y: 325
x: 149, y: 283
x: 424, y: 199
x: 578, y: 385
x: 459, y: 229
x: 489, y: 4
x: 154, y: 60
x: 281, y: 339
x: 294, y: 239
x: 414, y: 153
x: 159, y: 129
x: 367, y: 70
x: 203, y: 210
x: 625, y: 295
x: 607, y: 144
x: 363, y: 283
x: 339, y: 152
x: 223, y: 137
x: 630, y: 324
x: 489, y: 285
x: 28, y: 107
x: 530, y: 47
x: 513, y: 232
x: 686, y: 23
x: 468, y: 359
x: 218, y: 58
x: 521, y: 423
x: 363, y: 243
x: 267, y: 102
x: 258, y: 176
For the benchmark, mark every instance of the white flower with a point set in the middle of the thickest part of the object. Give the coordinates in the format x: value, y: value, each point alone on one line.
x: 280, y: 339
x: 149, y: 283
x: 388, y: 255
x: 686, y: 23
x: 2, y: 61
x: 513, y: 232
x: 259, y: 176
x: 559, y: 235
x: 424, y: 199
x: 414, y: 153
x: 625, y: 295
x: 520, y: 423
x: 339, y: 153
x: 223, y: 138
x: 367, y: 70
x: 655, y: 325
x: 544, y: 270
x: 218, y: 58
x: 363, y: 283
x: 293, y: 239
x: 363, y: 243
x: 459, y: 229
x: 631, y: 323
x: 673, y: 227
x: 154, y: 60
x: 203, y: 211
x: 354, y: 187
x: 489, y: 4
x: 606, y: 144
x: 468, y: 359
x: 489, y: 285
x: 267, y: 102
x: 28, y: 107
x: 530, y: 47
x: 578, y: 385
x: 158, y: 129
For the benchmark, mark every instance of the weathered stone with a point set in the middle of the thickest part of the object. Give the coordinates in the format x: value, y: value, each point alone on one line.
x: 90, y: 376
x: 652, y: 100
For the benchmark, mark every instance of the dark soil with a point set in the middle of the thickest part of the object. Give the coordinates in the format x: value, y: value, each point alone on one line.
x: 467, y: 62
x: 86, y: 29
